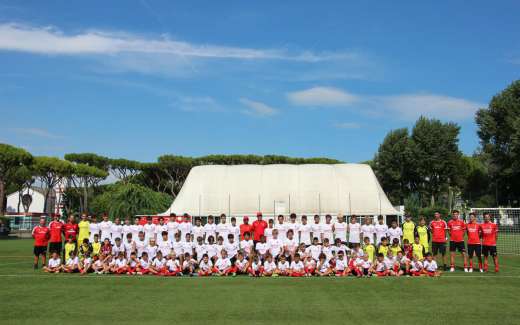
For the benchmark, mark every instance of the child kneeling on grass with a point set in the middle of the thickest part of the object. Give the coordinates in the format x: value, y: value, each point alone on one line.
x: 72, y: 264
x: 430, y: 266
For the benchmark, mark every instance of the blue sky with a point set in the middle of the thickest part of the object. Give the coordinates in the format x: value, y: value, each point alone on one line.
x: 139, y: 79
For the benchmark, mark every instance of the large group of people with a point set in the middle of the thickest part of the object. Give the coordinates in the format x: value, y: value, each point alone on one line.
x: 177, y: 246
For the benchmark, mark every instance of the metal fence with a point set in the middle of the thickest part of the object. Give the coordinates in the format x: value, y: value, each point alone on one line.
x: 508, y: 221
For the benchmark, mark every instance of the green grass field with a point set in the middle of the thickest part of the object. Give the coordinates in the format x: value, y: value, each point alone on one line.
x: 32, y: 297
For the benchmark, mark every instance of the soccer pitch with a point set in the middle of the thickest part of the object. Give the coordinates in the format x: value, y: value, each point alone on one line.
x: 30, y: 296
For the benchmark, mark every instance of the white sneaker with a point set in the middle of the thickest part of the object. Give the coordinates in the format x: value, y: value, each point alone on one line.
x: 481, y: 271
x: 466, y: 270
x: 470, y: 270
x: 452, y: 269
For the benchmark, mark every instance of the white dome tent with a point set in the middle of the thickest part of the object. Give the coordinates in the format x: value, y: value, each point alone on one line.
x: 243, y: 190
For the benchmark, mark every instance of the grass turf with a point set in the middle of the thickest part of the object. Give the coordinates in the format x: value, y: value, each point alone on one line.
x: 30, y: 296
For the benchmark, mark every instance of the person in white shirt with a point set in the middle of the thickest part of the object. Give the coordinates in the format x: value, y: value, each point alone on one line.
x: 304, y: 231
x: 133, y: 262
x: 327, y: 229
x: 297, y: 269
x: 188, y: 265
x: 381, y: 230
x: 234, y: 229
x: 275, y: 245
x: 269, y: 265
x: 340, y: 229
x: 158, y: 265
x: 126, y: 228
x: 116, y: 230
x: 323, y: 268
x: 314, y: 250
x: 339, y: 247
x: 268, y: 232
x: 212, y: 249
x: 366, y: 266
x: 395, y: 232
x: 54, y: 264
x: 231, y: 247
x: 316, y: 229
x: 144, y: 264
x: 149, y: 231
x: 197, y: 230
x: 129, y: 245
x: 118, y: 247
x: 281, y: 227
x: 165, y: 246
x: 327, y: 249
x: 152, y: 249
x: 416, y: 267
x: 140, y: 244
x: 200, y: 249
x: 283, y: 266
x: 159, y: 229
x: 85, y: 264
x: 173, y: 266
x: 223, y: 265
x: 120, y: 264
x: 368, y: 229
x: 105, y: 227
x: 241, y: 264
x: 403, y: 263
x: 177, y: 245
x: 210, y: 229
x: 290, y: 245
x: 247, y: 245
x: 430, y: 266
x: 187, y: 246
x: 341, y: 265
x: 354, y: 232
x: 262, y: 248
x: 185, y: 227
x: 136, y: 228
x: 381, y: 267
x: 255, y: 267
x: 223, y: 229
x: 93, y: 228
x: 173, y: 227
x: 205, y: 266
x: 72, y: 264
x: 292, y: 225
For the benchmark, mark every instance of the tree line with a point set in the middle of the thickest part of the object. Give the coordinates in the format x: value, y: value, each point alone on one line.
x: 421, y: 168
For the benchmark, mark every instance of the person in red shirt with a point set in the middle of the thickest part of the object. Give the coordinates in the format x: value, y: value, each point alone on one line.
x: 258, y: 228
x: 245, y: 228
x: 474, y: 249
x: 489, y: 241
x: 457, y: 228
x: 71, y: 229
x: 438, y: 229
x: 56, y: 229
x: 41, y: 237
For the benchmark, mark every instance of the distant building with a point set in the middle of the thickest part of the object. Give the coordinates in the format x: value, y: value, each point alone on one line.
x: 30, y: 200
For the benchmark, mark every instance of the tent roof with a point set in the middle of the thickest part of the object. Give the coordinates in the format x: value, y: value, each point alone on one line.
x: 282, y: 189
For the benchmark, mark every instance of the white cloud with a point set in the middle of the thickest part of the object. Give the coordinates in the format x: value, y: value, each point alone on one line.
x: 197, y: 104
x: 47, y: 40
x: 321, y: 96
x: 347, y: 125
x: 257, y: 108
x: 36, y: 132
x: 411, y: 106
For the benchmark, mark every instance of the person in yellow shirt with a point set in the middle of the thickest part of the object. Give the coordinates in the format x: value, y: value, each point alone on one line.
x: 423, y: 232
x: 369, y: 249
x: 70, y: 246
x: 418, y: 249
x: 395, y: 248
x: 84, y: 229
x: 383, y: 247
x: 96, y: 246
x: 408, y: 228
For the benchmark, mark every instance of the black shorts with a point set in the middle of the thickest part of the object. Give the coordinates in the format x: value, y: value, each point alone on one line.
x: 438, y: 248
x: 55, y: 247
x: 489, y: 250
x: 474, y: 249
x: 457, y: 246
x: 40, y: 250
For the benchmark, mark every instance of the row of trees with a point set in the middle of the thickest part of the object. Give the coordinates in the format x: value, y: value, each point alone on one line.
x: 425, y: 167
x: 82, y: 174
